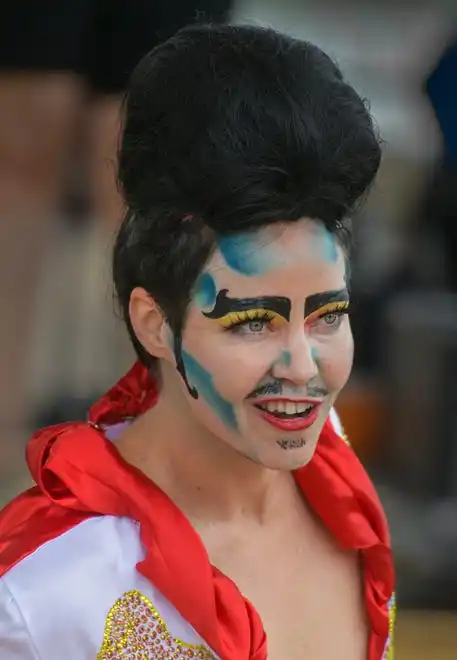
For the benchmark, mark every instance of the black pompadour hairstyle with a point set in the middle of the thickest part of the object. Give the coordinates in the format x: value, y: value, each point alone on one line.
x: 238, y: 127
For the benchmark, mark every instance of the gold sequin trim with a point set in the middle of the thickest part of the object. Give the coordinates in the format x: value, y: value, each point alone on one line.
x: 135, y: 630
x: 390, y: 651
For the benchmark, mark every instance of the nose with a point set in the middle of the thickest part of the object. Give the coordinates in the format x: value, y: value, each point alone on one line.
x: 297, y: 361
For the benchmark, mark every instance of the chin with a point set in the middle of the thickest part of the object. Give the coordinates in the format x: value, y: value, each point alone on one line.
x: 294, y: 459
x: 299, y: 446
x: 291, y: 454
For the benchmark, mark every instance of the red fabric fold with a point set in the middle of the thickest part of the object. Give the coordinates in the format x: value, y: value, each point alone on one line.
x: 79, y: 474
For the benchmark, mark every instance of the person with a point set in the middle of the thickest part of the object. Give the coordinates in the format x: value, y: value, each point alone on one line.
x: 210, y: 507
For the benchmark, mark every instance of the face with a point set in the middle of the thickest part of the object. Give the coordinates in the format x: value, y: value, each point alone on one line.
x: 267, y: 344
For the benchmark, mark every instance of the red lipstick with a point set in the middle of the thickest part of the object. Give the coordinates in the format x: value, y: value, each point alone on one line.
x: 297, y: 422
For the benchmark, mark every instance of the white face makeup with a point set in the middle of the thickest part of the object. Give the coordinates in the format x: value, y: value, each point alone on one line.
x: 267, y: 344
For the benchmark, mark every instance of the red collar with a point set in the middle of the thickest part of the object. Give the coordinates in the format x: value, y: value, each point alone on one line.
x: 77, y: 468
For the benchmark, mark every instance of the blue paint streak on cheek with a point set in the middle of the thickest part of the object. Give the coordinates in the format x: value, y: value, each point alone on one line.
x: 244, y: 254
x: 202, y: 380
x: 205, y: 291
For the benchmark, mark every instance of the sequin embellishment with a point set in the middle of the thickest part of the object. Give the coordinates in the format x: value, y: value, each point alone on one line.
x: 389, y: 650
x: 135, y: 630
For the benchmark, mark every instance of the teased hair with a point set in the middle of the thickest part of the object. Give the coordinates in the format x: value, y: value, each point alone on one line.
x: 240, y: 127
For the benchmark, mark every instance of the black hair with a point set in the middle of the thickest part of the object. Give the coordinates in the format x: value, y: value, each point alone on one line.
x: 233, y: 128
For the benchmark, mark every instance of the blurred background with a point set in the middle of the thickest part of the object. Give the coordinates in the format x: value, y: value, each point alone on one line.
x: 63, y: 67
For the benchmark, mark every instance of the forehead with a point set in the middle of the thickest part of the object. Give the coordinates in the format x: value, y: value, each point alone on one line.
x: 283, y: 256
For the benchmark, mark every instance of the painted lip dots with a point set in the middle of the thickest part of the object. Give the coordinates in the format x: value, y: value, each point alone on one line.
x: 288, y: 414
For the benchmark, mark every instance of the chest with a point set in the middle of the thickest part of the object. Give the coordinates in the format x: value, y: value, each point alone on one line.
x: 309, y: 595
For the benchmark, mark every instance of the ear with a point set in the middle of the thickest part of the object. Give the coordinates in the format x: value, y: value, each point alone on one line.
x: 149, y: 324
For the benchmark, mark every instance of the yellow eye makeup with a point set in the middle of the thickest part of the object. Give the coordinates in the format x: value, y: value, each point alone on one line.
x: 326, y: 302
x: 229, y: 312
x: 340, y: 307
x: 232, y: 319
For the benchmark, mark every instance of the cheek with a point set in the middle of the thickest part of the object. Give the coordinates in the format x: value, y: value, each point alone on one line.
x: 244, y: 367
x: 235, y: 365
x: 334, y: 358
x: 202, y: 380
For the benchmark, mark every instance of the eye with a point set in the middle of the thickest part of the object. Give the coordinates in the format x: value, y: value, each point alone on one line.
x: 332, y: 318
x: 255, y: 326
x: 329, y: 318
x: 252, y: 321
x: 329, y: 321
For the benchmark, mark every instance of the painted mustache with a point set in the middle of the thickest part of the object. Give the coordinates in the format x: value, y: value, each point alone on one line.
x: 277, y: 389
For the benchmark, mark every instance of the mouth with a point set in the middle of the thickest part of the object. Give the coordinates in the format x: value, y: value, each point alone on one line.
x: 288, y: 414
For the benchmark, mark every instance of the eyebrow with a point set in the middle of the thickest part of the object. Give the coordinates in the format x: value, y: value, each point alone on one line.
x: 318, y: 300
x: 224, y: 305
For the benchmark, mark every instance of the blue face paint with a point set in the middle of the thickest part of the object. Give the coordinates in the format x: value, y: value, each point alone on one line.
x: 205, y: 291
x: 329, y: 247
x: 202, y: 381
x: 285, y: 359
x: 244, y: 254
x: 314, y: 354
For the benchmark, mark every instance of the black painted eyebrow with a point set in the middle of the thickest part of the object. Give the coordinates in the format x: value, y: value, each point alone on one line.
x: 318, y: 300
x: 224, y: 305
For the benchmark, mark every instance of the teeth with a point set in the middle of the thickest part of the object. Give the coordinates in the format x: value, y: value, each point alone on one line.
x: 288, y: 408
x: 291, y: 408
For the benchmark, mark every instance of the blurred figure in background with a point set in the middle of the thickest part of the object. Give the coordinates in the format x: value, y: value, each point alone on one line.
x: 421, y: 331
x: 63, y: 68
x: 440, y: 208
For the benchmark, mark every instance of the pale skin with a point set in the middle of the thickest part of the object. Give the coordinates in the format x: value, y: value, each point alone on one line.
x: 227, y: 468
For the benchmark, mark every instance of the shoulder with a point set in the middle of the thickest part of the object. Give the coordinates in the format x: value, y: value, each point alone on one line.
x: 28, y: 522
x: 74, y: 597
x: 67, y: 586
x: 102, y: 543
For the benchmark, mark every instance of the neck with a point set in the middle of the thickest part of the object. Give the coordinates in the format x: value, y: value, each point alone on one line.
x: 203, y: 475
